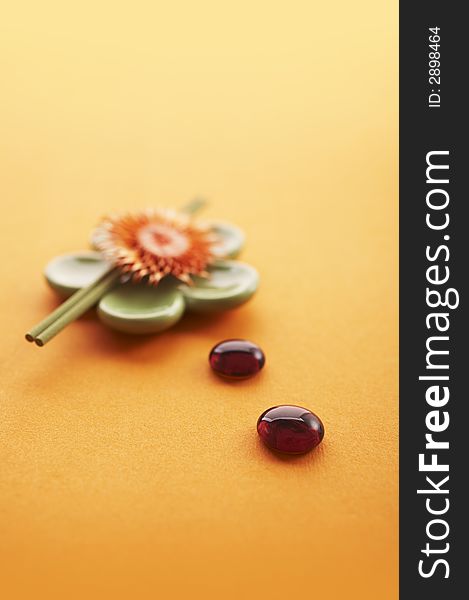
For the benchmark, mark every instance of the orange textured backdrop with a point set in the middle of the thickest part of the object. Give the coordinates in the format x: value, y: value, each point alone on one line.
x: 127, y: 469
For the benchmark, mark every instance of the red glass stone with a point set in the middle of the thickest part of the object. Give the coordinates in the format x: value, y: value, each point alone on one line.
x: 290, y: 429
x: 236, y: 359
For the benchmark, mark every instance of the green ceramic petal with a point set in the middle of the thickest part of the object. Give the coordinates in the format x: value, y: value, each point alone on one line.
x: 230, y: 284
x: 231, y: 239
x: 141, y: 308
x: 70, y: 272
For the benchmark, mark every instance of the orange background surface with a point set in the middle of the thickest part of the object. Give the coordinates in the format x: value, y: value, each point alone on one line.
x: 128, y: 470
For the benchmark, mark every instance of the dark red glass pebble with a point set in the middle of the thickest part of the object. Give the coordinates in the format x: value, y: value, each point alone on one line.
x: 290, y: 429
x: 236, y: 359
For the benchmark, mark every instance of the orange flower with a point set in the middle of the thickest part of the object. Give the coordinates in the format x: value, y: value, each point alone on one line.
x: 156, y: 242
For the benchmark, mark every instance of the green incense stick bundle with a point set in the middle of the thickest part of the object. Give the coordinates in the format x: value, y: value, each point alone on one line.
x: 72, y: 308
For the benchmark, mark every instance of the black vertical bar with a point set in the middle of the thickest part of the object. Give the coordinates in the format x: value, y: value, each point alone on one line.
x: 428, y: 124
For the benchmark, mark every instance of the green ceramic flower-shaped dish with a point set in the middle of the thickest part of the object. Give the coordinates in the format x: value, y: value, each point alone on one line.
x: 139, y: 308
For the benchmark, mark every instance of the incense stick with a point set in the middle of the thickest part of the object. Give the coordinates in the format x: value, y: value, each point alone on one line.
x: 62, y: 309
x: 194, y: 206
x: 72, y: 308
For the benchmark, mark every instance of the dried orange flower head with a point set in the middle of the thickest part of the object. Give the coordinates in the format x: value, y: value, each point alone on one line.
x: 156, y: 242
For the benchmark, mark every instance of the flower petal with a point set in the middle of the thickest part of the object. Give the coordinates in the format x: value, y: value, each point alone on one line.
x: 230, y: 283
x: 231, y: 239
x: 70, y: 272
x: 141, y: 308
